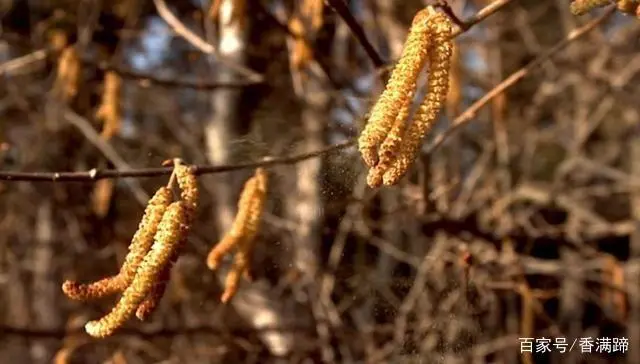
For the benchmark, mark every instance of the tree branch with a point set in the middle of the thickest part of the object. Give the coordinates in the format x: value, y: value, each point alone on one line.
x: 341, y: 8
x: 96, y: 174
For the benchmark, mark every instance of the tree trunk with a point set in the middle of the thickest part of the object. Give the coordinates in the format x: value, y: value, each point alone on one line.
x: 252, y: 302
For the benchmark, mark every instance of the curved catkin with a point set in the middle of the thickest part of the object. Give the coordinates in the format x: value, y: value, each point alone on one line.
x: 67, y: 74
x: 440, y: 29
x: 167, y: 241
x: 238, y: 227
x: 391, y: 145
x: 254, y: 209
x: 399, y: 86
x: 579, y: 7
x: 140, y: 244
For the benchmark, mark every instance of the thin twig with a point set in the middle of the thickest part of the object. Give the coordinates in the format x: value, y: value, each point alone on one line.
x: 16, y: 63
x: 96, y: 174
x: 341, y: 8
x: 197, y: 41
x: 84, y: 126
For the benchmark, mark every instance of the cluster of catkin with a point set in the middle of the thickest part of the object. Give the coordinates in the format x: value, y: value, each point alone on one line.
x: 155, y: 246
x: 241, y: 234
x: 387, y: 144
x: 631, y: 7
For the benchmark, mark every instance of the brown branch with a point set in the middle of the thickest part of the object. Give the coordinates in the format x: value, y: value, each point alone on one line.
x: 199, y: 43
x: 468, y: 115
x: 341, y: 8
x: 145, y: 79
x: 96, y: 174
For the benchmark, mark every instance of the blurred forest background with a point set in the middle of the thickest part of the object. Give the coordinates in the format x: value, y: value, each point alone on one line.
x: 522, y: 223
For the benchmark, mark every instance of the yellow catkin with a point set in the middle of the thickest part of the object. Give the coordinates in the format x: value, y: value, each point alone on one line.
x: 439, y: 30
x: 190, y: 194
x: 242, y: 258
x: 391, y: 145
x: 109, y: 110
x: 242, y: 233
x: 167, y: 241
x: 140, y: 244
x: 398, y: 88
x: 254, y: 218
x: 67, y: 74
x: 579, y: 7
x: 238, y: 228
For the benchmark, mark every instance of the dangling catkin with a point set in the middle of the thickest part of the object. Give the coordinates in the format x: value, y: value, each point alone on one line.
x: 109, y: 110
x: 242, y: 233
x: 398, y: 89
x: 242, y: 258
x: 167, y: 240
x: 140, y: 244
x: 439, y: 30
x: 67, y: 74
x: 238, y: 228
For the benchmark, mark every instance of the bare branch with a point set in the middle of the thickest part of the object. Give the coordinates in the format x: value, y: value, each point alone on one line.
x: 342, y: 9
x: 197, y: 41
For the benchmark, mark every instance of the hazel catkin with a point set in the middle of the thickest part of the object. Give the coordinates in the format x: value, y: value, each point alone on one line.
x: 398, y: 88
x: 167, y: 240
x: 140, y: 244
x: 238, y: 228
x: 440, y: 28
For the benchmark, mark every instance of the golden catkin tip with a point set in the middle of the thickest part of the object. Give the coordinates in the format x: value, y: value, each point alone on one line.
x: 90, y: 291
x: 374, y: 177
